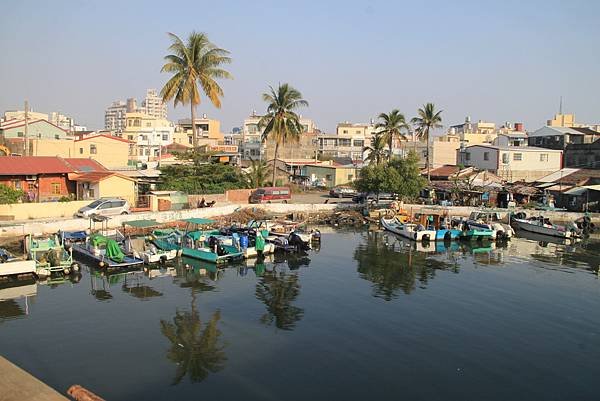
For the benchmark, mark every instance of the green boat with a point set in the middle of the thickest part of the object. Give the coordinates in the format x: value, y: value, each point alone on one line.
x: 197, y: 243
x: 49, y: 255
x: 476, y: 234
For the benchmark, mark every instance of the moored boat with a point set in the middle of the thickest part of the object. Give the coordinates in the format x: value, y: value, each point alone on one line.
x: 415, y: 232
x: 489, y: 220
x: 49, y: 255
x: 106, y: 252
x: 542, y: 225
x: 13, y: 266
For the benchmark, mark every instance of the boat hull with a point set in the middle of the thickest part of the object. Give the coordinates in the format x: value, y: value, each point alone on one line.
x: 538, y: 229
x: 406, y: 230
x: 99, y: 257
x: 207, y: 255
x: 447, y: 234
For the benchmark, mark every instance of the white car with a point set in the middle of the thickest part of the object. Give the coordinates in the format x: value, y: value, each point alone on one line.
x: 105, y: 207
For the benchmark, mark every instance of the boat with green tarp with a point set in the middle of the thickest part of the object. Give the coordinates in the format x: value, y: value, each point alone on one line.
x: 49, y: 255
x: 139, y: 243
x: 106, y: 252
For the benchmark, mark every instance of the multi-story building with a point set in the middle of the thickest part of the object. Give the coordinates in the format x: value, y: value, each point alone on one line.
x: 114, y: 116
x: 583, y: 155
x: 20, y: 115
x: 560, y: 137
x: 149, y: 134
x: 208, y: 132
x: 512, y: 163
x: 474, y: 133
x: 568, y: 121
x: 153, y: 105
x: 251, y: 145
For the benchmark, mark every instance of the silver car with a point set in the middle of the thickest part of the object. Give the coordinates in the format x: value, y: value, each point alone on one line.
x: 105, y: 207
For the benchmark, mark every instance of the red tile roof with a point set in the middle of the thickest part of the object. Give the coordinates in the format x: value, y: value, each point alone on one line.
x: 97, y: 176
x: 443, y: 171
x: 116, y: 138
x: 85, y: 165
x: 32, y: 165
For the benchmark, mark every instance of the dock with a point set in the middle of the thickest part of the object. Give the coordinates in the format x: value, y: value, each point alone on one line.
x: 18, y: 385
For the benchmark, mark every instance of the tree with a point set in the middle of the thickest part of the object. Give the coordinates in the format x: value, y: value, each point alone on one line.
x: 392, y: 126
x: 194, y: 64
x: 9, y: 195
x: 201, y: 177
x: 427, y: 120
x: 281, y: 123
x: 409, y: 183
x: 257, y: 174
x: 376, y: 150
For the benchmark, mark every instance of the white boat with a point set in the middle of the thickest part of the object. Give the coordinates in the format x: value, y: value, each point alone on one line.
x: 10, y: 265
x: 415, y: 232
x: 541, y: 225
x: 490, y: 220
x: 148, y: 252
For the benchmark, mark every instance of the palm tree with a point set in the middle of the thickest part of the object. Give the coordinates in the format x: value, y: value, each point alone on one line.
x: 376, y: 150
x: 194, y: 64
x: 281, y: 123
x: 277, y: 290
x: 427, y: 120
x: 257, y: 175
x: 392, y: 126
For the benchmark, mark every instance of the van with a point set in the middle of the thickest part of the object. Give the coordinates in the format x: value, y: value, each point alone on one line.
x: 271, y: 195
x: 105, y: 207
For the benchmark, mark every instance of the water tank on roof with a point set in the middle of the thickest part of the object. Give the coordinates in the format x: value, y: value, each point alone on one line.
x: 467, y: 119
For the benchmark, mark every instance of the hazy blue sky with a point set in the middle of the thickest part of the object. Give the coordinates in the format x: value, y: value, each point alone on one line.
x: 496, y: 60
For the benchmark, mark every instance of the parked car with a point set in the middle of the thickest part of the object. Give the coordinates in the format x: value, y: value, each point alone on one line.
x: 105, y: 207
x: 362, y: 197
x: 342, y: 192
x: 271, y: 195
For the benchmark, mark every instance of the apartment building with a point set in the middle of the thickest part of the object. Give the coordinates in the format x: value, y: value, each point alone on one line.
x: 474, y: 133
x: 208, y: 132
x: 153, y: 105
x: 149, y: 134
x: 114, y: 116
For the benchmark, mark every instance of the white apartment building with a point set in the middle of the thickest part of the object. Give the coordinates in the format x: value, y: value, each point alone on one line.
x: 512, y: 163
x: 153, y: 105
x: 349, y: 140
x: 149, y: 134
x: 115, y: 116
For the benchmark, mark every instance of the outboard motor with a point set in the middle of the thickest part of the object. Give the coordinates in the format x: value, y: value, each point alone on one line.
x: 295, y: 240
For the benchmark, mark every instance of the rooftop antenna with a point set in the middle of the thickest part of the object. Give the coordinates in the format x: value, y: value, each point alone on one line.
x: 560, y: 107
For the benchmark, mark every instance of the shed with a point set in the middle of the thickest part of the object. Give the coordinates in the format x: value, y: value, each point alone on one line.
x: 168, y: 200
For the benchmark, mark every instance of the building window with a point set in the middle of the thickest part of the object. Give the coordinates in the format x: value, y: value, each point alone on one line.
x: 80, y: 151
x: 93, y: 149
x: 543, y: 157
x: 165, y: 137
x: 328, y: 177
x: 30, y: 186
x: 486, y: 155
x: 467, y: 156
x: 190, y: 141
x: 129, y: 123
x: 504, y: 158
x: 17, y: 184
x: 518, y: 156
x: 56, y: 136
x: 56, y: 188
x: 345, y: 131
x: 144, y: 137
x: 359, y: 142
x: 148, y: 124
x: 358, y: 131
x: 344, y: 142
x: 130, y: 137
x: 350, y: 177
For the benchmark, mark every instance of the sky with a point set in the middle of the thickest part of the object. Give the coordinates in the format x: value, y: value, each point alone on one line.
x: 351, y: 60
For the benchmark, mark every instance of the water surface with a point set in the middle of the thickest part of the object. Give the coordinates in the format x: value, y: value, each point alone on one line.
x: 367, y: 316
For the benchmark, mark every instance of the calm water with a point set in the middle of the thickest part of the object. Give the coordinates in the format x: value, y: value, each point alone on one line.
x: 365, y: 317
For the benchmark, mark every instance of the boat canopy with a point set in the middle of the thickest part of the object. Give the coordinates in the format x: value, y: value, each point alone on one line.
x: 198, y: 220
x: 113, y: 251
x: 141, y: 223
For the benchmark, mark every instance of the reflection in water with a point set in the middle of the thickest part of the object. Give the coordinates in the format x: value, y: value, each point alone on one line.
x: 278, y: 290
x: 392, y: 265
x: 196, y: 350
x: 14, y: 298
x: 295, y: 260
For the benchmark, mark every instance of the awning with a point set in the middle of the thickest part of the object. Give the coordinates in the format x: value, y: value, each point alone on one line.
x: 141, y: 223
x: 198, y: 220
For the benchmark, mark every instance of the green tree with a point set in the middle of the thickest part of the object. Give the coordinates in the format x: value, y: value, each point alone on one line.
x: 408, y: 182
x: 376, y: 150
x: 9, y: 195
x: 281, y: 123
x: 194, y: 64
x: 427, y: 120
x: 374, y: 179
x: 257, y: 173
x: 392, y: 126
x: 199, y: 178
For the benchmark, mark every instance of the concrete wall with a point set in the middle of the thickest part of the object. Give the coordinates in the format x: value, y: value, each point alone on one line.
x: 25, y: 211
x: 238, y: 195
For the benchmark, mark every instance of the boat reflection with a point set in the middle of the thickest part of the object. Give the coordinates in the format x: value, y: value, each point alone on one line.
x: 277, y: 289
x: 14, y: 298
x: 101, y: 281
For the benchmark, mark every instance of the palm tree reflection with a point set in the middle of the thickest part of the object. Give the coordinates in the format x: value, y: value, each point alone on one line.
x: 278, y: 290
x: 195, y: 348
x: 391, y: 270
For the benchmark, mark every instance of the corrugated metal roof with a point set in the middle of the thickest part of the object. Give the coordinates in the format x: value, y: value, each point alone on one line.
x: 557, y: 175
x: 33, y: 165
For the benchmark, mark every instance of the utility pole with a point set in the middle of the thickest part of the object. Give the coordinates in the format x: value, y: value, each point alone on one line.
x: 26, y: 128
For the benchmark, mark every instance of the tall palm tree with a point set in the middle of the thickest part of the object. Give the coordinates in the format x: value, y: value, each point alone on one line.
x: 281, y: 123
x: 427, y: 120
x: 376, y: 150
x: 194, y: 64
x: 392, y: 126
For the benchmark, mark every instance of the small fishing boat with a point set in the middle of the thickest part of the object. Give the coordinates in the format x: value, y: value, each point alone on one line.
x: 440, y: 222
x: 49, y: 255
x: 475, y: 233
x: 140, y: 246
x: 106, y: 252
x: 489, y: 220
x: 415, y: 232
x: 13, y: 266
x: 542, y: 225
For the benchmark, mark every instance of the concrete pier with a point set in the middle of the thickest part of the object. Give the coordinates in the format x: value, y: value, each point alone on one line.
x: 18, y: 385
